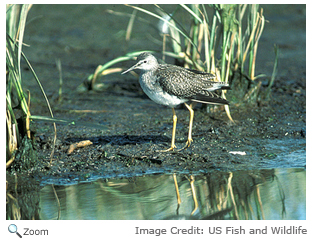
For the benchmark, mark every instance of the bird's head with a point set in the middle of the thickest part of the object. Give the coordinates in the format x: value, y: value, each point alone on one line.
x: 145, y: 62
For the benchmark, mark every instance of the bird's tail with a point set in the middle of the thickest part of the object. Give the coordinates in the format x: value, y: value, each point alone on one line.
x: 209, y: 97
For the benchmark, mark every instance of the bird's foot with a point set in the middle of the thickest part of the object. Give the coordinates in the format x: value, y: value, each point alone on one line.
x: 188, y: 143
x: 167, y: 150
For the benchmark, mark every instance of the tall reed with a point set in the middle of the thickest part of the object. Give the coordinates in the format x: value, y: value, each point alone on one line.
x: 18, y: 115
x: 221, y: 39
x: 15, y: 25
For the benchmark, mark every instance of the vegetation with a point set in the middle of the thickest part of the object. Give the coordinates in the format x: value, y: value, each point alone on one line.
x: 18, y: 117
x: 222, y: 39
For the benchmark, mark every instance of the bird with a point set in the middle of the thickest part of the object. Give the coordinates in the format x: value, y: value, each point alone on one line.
x: 172, y: 85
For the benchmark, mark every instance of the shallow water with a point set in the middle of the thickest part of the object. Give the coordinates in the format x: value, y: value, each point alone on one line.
x: 262, y: 194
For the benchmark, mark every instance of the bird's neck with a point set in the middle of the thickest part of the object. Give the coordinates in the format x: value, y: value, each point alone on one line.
x: 148, y: 77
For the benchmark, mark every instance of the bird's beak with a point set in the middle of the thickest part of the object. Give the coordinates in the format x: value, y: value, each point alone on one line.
x: 133, y: 67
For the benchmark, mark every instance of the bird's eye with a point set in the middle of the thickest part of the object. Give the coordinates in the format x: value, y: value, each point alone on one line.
x: 145, y: 61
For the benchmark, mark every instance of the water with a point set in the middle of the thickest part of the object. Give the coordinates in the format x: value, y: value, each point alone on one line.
x: 260, y: 194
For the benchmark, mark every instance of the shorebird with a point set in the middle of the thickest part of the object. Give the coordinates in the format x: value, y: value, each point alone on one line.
x: 171, y: 85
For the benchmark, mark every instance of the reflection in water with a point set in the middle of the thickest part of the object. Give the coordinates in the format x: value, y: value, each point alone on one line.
x: 260, y: 194
x: 263, y: 194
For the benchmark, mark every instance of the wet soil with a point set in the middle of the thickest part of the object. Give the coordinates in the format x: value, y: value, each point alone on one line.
x: 126, y: 128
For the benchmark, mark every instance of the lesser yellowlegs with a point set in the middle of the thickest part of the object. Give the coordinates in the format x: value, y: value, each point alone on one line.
x: 171, y: 85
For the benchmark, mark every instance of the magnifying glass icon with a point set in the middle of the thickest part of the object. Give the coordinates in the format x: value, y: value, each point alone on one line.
x: 13, y: 229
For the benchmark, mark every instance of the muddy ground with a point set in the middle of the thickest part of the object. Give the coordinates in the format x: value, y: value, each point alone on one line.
x: 126, y: 128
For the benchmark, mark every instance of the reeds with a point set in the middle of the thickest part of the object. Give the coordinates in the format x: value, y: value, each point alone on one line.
x: 18, y: 115
x: 16, y: 20
x: 221, y: 39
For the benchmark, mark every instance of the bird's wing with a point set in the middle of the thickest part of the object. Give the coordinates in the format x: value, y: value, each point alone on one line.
x: 186, y: 83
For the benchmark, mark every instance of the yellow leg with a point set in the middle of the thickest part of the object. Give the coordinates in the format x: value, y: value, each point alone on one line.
x: 189, y: 140
x: 177, y: 192
x: 173, y: 133
x: 192, y: 180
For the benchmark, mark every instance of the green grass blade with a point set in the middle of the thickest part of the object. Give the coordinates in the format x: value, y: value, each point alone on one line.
x: 51, y: 119
x: 14, y: 79
x: 22, y: 23
x: 274, y: 73
x: 39, y: 83
x: 206, y: 45
x: 126, y: 57
x: 68, y: 122
x: 164, y: 20
x: 130, y: 25
x: 192, y: 13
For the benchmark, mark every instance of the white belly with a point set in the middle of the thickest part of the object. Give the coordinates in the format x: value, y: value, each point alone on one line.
x: 161, y: 97
x: 165, y: 99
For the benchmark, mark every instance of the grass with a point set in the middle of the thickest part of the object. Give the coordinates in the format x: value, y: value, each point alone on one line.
x: 221, y: 39
x: 16, y: 20
x: 18, y: 116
